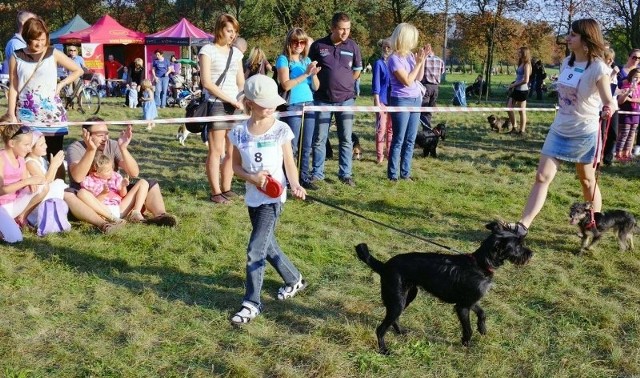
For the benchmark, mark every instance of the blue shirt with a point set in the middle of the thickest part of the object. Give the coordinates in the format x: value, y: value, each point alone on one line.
x: 338, y: 63
x: 15, y: 43
x: 380, y: 81
x: 302, y: 91
x: 161, y: 67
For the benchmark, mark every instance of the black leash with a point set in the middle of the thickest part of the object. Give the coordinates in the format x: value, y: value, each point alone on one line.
x: 315, y: 199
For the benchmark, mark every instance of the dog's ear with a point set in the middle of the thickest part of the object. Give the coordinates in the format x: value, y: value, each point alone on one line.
x: 495, y: 226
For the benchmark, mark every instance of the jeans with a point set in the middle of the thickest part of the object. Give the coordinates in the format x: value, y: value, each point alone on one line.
x: 306, y: 130
x: 344, y: 121
x: 405, y: 129
x: 162, y: 85
x: 263, y: 247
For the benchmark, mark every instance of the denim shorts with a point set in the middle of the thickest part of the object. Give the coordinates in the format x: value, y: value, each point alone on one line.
x: 580, y: 149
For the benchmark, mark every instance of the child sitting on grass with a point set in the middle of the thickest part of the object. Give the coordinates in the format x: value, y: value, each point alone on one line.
x: 37, y: 165
x: 261, y: 146
x: 105, y: 191
x: 149, y: 110
x: 20, y: 193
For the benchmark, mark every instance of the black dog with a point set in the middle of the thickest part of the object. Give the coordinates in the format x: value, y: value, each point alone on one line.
x: 357, y: 150
x: 459, y: 279
x: 428, y: 139
x: 498, y: 124
x: 622, y: 222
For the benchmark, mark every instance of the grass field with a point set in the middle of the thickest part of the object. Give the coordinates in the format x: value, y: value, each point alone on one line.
x: 155, y: 302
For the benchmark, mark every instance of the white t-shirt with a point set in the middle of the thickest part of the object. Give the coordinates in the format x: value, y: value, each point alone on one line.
x: 262, y: 153
x: 218, y: 63
x: 578, y: 98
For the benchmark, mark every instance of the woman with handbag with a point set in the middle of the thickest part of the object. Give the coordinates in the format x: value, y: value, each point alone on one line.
x: 406, y: 70
x: 222, y: 78
x: 297, y: 77
x: 33, y: 90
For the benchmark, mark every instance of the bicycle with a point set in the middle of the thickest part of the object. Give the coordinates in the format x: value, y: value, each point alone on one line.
x: 87, y: 97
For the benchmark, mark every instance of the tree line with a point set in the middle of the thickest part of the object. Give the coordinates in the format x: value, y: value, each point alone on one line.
x: 479, y: 33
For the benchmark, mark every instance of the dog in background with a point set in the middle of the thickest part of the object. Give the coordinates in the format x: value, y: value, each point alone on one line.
x: 182, y: 134
x: 499, y: 124
x: 357, y: 149
x: 459, y: 279
x: 622, y: 222
x: 428, y: 139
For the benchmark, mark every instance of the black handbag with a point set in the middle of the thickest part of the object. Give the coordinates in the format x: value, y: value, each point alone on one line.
x: 200, y: 106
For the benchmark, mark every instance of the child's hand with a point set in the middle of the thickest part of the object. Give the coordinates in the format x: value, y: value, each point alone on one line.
x: 298, y: 191
x: 105, y: 189
x: 259, y: 179
x: 57, y: 160
x: 125, y: 182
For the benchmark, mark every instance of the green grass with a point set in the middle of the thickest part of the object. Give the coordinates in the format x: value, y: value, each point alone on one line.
x: 155, y: 302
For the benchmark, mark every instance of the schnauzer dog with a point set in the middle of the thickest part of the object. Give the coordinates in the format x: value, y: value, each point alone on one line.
x: 498, y: 124
x: 622, y: 222
x: 428, y: 139
x: 459, y: 279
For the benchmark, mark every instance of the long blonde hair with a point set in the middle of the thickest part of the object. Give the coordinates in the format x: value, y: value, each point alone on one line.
x: 256, y: 57
x: 404, y: 38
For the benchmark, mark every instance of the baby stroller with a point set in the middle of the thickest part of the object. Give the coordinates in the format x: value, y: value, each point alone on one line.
x: 459, y: 93
x: 176, y: 83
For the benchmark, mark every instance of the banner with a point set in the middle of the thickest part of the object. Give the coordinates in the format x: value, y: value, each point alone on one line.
x: 93, y: 55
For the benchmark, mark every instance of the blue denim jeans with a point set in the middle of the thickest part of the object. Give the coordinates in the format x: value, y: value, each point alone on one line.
x: 306, y: 130
x: 162, y: 85
x: 405, y: 129
x: 344, y: 121
x: 263, y: 247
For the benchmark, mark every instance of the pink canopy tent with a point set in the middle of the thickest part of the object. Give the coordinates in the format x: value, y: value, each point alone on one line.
x: 106, y: 31
x: 184, y: 33
x: 170, y: 41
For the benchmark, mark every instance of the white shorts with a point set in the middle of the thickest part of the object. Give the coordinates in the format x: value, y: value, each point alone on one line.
x: 115, y: 210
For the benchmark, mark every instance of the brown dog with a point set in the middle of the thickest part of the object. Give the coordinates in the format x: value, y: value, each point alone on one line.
x: 499, y: 124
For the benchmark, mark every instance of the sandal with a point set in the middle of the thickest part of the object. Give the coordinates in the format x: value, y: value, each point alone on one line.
x: 289, y: 291
x: 246, y: 314
x: 230, y: 194
x: 135, y: 216
x: 219, y: 198
x: 517, y: 228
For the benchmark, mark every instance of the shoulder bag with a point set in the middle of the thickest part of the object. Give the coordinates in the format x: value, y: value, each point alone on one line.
x: 199, y: 107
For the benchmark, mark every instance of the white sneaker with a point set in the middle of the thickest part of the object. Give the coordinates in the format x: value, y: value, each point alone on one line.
x: 288, y: 291
x: 636, y: 150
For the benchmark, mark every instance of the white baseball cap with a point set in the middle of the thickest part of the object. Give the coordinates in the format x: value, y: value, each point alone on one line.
x: 263, y: 91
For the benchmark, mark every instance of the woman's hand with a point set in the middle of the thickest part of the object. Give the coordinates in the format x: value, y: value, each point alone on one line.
x: 421, y: 55
x: 313, y: 69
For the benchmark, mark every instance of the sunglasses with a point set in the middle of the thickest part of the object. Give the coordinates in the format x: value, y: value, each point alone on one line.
x: 635, y: 57
x: 20, y: 131
x: 299, y: 42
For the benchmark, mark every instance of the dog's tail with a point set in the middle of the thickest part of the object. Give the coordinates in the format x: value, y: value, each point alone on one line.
x: 363, y: 254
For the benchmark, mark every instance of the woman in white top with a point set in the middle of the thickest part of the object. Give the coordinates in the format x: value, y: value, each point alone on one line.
x: 213, y: 61
x: 583, y: 86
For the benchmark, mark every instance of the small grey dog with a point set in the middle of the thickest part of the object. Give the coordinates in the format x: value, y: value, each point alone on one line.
x: 622, y: 222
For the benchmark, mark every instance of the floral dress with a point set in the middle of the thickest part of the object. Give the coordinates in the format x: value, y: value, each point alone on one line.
x: 38, y: 102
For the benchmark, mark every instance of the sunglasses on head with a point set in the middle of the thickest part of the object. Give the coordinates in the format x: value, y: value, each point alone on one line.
x: 20, y: 131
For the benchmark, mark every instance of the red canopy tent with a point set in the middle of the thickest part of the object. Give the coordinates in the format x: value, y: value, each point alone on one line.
x: 106, y: 31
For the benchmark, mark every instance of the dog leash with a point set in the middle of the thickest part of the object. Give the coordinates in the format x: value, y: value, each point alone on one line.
x: 329, y: 204
x: 600, y: 145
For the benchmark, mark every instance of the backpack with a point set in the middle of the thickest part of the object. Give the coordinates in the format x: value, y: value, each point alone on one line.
x: 50, y: 217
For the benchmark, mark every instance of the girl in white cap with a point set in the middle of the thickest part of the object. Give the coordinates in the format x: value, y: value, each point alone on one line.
x: 261, y: 145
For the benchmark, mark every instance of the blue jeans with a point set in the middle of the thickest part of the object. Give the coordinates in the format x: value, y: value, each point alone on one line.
x: 307, y: 131
x: 263, y: 247
x: 405, y: 129
x: 344, y: 121
x: 162, y: 85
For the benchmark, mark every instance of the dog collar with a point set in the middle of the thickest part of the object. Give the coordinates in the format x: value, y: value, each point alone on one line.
x: 486, y: 268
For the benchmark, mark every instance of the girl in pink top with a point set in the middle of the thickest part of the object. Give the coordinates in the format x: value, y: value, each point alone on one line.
x: 107, y: 193
x: 17, y: 188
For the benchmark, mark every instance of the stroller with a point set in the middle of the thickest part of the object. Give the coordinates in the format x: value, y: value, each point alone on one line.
x: 459, y: 93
